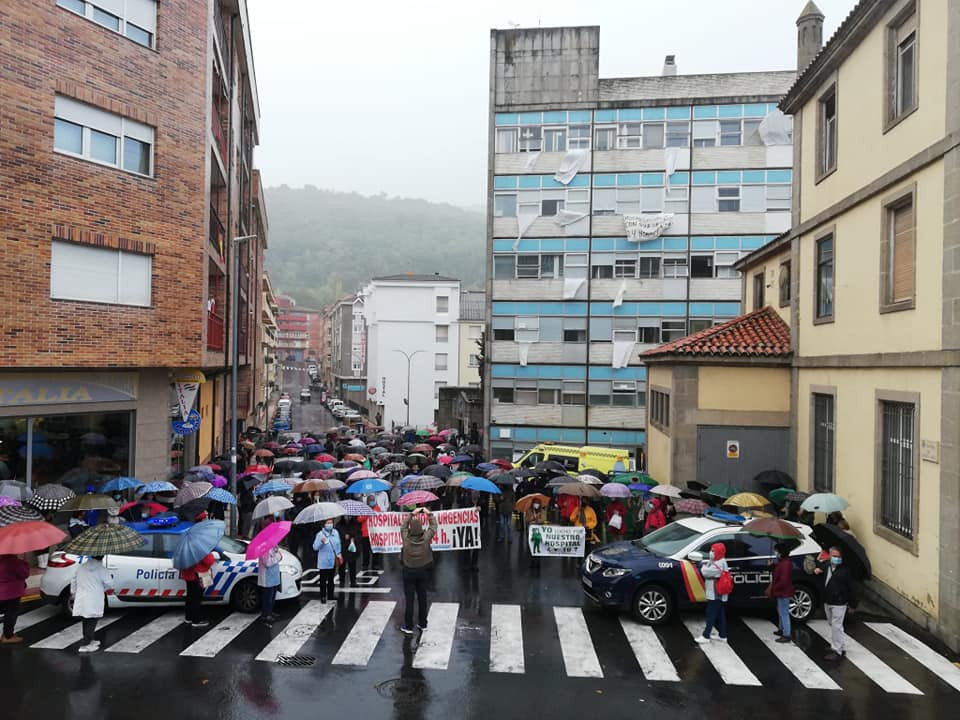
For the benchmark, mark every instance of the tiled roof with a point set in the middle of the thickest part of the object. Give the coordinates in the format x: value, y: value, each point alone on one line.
x: 772, y: 84
x: 759, y: 334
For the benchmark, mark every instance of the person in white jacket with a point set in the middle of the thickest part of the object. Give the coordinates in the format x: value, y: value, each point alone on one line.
x: 88, y: 587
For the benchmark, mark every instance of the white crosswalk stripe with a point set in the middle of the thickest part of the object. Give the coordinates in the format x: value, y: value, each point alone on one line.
x: 872, y: 666
x: 506, y: 639
x: 793, y: 658
x: 725, y: 661
x: 34, y: 617
x: 365, y: 634
x: 653, y: 659
x: 296, y: 632
x: 579, y: 656
x: 71, y: 635
x: 220, y: 635
x: 143, y: 638
x: 922, y: 653
x: 436, y: 642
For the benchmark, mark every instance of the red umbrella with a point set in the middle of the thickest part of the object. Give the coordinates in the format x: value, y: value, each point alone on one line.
x: 505, y: 464
x: 27, y: 536
x: 291, y: 451
x: 690, y: 505
x: 216, y: 468
x: 417, y: 497
x: 257, y: 469
x: 434, y: 439
x: 444, y: 459
x: 324, y: 457
x: 268, y: 538
x: 152, y: 507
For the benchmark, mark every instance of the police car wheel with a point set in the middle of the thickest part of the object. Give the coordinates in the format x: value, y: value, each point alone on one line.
x: 802, y: 604
x: 245, y: 597
x: 653, y: 604
x: 66, y: 602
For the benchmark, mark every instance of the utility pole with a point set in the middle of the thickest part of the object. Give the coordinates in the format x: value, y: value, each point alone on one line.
x: 409, y: 357
x: 234, y: 361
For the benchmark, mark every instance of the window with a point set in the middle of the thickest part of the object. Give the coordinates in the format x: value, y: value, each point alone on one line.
x: 574, y: 392
x: 436, y: 388
x: 555, y: 139
x: 648, y: 335
x: 660, y: 408
x: 630, y: 135
x: 578, y: 138
x: 648, y: 267
x: 503, y: 394
x: 549, y: 208
x: 528, y: 266
x: 674, y: 267
x: 551, y: 266
x: 137, y: 19
x: 602, y: 272
x: 701, y: 266
x: 898, y: 247
x: 672, y: 330
x: 530, y: 139
x: 675, y: 200
x: 723, y: 265
x: 527, y: 328
x: 827, y: 132
x: 704, y: 133
x: 824, y: 275
x: 96, y: 274
x: 823, y: 448
x: 440, y: 361
x: 443, y: 333
x: 698, y: 324
x: 526, y: 392
x: 678, y: 134
x: 443, y: 303
x: 728, y: 199
x: 901, y: 62
x: 503, y: 334
x: 625, y: 268
x: 506, y: 140
x: 606, y: 138
x: 505, y: 205
x: 897, y: 467
x: 624, y: 393
x: 574, y: 329
x: 730, y: 132
x: 504, y: 267
x: 653, y: 135
x: 94, y: 134
x: 473, y: 361
x: 549, y: 396
x: 751, y: 133
x: 759, y: 290
x: 784, y: 283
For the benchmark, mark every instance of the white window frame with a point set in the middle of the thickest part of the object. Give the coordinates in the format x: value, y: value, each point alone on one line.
x: 141, y: 14
x: 621, y: 265
x: 442, y: 333
x: 513, y: 135
x: 723, y: 265
x: 612, y: 129
x: 526, y: 328
x: 629, y: 140
x: 90, y: 118
x: 528, y: 266
x: 678, y: 263
x: 663, y: 134
x: 526, y: 144
x: 505, y: 194
x: 727, y: 198
x: 61, y: 276
x: 441, y: 362
x: 581, y: 142
x: 554, y: 145
x: 443, y: 304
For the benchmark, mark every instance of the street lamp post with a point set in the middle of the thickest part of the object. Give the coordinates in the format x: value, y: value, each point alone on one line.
x: 409, y: 357
x: 234, y: 361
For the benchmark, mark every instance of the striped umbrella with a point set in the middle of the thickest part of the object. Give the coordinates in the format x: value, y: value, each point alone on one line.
x: 423, y: 483
x: 50, y: 496
x: 12, y: 514
x: 355, y: 507
x: 105, y: 539
x: 417, y: 497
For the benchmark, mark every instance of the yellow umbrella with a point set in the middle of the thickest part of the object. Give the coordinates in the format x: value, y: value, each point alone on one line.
x: 747, y: 500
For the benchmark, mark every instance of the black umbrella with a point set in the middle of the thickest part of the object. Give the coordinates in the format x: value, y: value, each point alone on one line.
x: 774, y: 479
x: 190, y: 510
x: 308, y: 466
x: 282, y: 466
x: 549, y: 467
x: 521, y: 473
x: 407, y: 446
x: 854, y: 556
x: 440, y: 471
x: 697, y: 485
x: 797, y: 496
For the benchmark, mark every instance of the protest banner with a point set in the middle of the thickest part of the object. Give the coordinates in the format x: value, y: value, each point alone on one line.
x: 556, y: 541
x: 456, y: 530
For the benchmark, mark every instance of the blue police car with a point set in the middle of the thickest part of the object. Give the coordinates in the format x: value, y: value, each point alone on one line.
x: 659, y: 574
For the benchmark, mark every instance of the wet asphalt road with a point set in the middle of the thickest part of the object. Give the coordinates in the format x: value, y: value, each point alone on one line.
x: 159, y: 682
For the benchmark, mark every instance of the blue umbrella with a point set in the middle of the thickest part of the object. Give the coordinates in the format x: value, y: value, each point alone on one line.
x: 368, y: 486
x: 221, y: 495
x: 487, y: 467
x: 204, y: 470
x: 462, y: 459
x: 120, y: 483
x: 274, y: 486
x: 408, y: 478
x: 480, y: 484
x: 196, y: 543
x: 311, y: 449
x: 326, y: 466
x: 158, y: 487
x: 639, y: 487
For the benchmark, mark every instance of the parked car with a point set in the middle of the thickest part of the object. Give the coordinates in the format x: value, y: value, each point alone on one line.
x: 659, y: 574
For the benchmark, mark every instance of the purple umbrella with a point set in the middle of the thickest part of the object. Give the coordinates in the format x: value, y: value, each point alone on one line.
x: 615, y: 490
x: 218, y: 481
x: 5, y: 501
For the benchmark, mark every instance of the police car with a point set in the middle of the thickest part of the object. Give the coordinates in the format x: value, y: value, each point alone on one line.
x: 659, y: 574
x: 146, y: 577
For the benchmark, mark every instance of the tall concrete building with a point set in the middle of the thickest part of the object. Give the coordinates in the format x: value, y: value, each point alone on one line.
x: 616, y: 210
x: 126, y: 158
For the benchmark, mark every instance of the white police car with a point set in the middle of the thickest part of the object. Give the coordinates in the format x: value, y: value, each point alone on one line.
x: 146, y: 577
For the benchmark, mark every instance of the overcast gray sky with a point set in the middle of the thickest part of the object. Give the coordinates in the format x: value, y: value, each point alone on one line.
x: 377, y: 96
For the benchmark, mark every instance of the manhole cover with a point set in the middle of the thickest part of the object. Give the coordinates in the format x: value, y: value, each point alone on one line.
x: 296, y: 660
x: 402, y: 689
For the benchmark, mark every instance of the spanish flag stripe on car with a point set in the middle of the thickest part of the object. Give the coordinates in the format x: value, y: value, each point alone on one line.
x: 693, y: 582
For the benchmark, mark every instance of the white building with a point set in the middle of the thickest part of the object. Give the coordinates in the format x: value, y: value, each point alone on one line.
x: 413, y: 344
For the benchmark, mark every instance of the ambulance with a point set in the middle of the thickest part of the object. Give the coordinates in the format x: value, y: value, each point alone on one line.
x: 577, y: 459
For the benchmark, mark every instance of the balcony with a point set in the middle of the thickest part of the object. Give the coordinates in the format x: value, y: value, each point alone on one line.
x: 217, y: 235
x: 218, y: 134
x: 215, y: 332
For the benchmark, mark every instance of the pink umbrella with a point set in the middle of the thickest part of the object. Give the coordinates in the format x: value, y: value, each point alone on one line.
x: 268, y: 538
x: 444, y: 459
x: 4, y: 500
x: 219, y: 481
x: 417, y: 497
x: 363, y: 475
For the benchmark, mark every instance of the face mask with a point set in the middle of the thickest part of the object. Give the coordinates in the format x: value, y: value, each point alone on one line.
x: 371, y: 503
x: 836, y: 560
x: 712, y: 555
x: 329, y: 526
x: 536, y: 506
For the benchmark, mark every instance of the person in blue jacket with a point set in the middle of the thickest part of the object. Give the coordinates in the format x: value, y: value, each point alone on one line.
x: 328, y: 547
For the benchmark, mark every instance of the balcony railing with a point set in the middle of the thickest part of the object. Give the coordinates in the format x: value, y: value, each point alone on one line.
x: 217, y: 235
x: 215, y: 333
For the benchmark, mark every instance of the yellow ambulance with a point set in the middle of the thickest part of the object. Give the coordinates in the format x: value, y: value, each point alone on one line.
x: 577, y: 459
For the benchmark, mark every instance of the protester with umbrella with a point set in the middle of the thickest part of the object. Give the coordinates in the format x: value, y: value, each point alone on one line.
x: 329, y: 556
x: 193, y: 557
x: 13, y: 583
x: 264, y: 548
x: 416, y: 556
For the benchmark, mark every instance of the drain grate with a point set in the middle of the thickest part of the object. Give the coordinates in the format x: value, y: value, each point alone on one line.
x: 296, y: 660
x: 403, y: 690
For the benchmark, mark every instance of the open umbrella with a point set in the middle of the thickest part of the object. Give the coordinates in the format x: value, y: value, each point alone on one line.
x: 796, y: 496
x: 504, y: 479
x: 524, y: 503
x: 218, y: 481
x: 159, y: 486
x: 222, y: 496
x: 691, y: 506
x: 315, y: 485
x: 334, y: 484
x: 191, y: 491
x: 368, y: 486
x: 505, y: 464
x: 16, y: 514
x: 417, y: 497
x: 721, y: 491
x: 854, y: 554
x: 345, y: 464
x: 263, y: 453
x: 589, y: 479
x: 268, y: 538
x: 257, y: 469
x: 666, y: 490
x: 273, y: 486
x: 271, y: 505
x: 487, y: 467
x: 355, y: 507
x: 480, y: 485
x: 549, y: 467
x: 325, y: 457
x: 773, y: 528
x: 119, y: 484
x: 362, y: 474
x: 50, y: 496
x: 89, y: 501
x: 391, y: 468
x: 15, y: 489
x: 615, y: 490
x: 456, y: 480
x: 426, y: 482
x: 318, y: 512
x: 105, y: 539
x: 825, y: 503
x: 27, y: 536
x: 778, y: 495
x: 189, y: 510
x: 152, y: 508
x: 579, y: 489
x: 416, y: 459
x: 356, y: 457
x: 8, y: 501
x: 437, y: 470
x: 422, y: 448
x: 747, y: 500
x: 196, y: 543
x: 774, y: 478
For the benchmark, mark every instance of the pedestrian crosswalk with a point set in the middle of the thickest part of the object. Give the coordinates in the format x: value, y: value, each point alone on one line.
x: 518, y: 639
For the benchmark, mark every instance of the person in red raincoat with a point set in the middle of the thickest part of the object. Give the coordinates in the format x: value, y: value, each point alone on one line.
x: 191, y: 576
x: 617, y: 508
x: 656, y: 518
x: 365, y: 549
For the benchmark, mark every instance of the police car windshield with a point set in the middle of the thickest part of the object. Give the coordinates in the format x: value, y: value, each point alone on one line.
x: 667, y: 540
x: 232, y: 546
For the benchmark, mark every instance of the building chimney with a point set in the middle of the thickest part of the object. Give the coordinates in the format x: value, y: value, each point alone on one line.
x: 669, y: 66
x: 809, y: 35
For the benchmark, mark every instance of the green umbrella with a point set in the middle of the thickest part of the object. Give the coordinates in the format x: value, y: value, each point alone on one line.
x: 633, y: 477
x: 721, y: 491
x: 779, y: 496
x: 423, y: 432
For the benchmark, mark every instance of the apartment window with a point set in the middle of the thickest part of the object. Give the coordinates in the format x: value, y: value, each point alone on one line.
x: 504, y: 267
x: 674, y: 267
x: 551, y: 266
x: 549, y: 208
x: 606, y: 138
x: 136, y: 19
x: 653, y: 135
x: 648, y: 335
x: 96, y: 274
x: 440, y: 361
x: 827, y: 132
x: 897, y: 467
x: 784, y: 283
x: 503, y: 394
x: 728, y: 199
x: 676, y: 200
x: 759, y: 288
x: 624, y: 393
x: 824, y: 275
x: 901, y: 62
x: 531, y: 139
x: 602, y: 271
x: 503, y: 334
x: 443, y: 333
x: 528, y: 266
x: 823, y: 442
x: 473, y: 361
x: 625, y: 268
x: 701, y: 266
x: 507, y: 140
x: 730, y: 132
x: 443, y: 303
x: 574, y: 393
x: 505, y: 205
x: 704, y: 133
x: 898, y: 249
x: 578, y: 137
x: 436, y: 388
x: 555, y: 139
x: 573, y: 331
x: 751, y: 132
x: 660, y: 408
x: 678, y: 134
x: 672, y: 330
x: 526, y: 392
x: 723, y: 265
x: 93, y: 134
x: 698, y: 324
x: 527, y: 329
x: 630, y: 135
x: 648, y: 267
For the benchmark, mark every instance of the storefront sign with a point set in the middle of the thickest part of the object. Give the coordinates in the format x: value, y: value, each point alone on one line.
x: 188, y: 426
x: 456, y: 530
x: 66, y: 388
x: 186, y: 395
x: 556, y: 541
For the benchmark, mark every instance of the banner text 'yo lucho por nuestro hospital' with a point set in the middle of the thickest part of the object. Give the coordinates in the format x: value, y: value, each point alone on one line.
x: 456, y: 530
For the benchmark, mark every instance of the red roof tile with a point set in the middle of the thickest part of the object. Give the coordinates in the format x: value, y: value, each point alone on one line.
x: 760, y: 333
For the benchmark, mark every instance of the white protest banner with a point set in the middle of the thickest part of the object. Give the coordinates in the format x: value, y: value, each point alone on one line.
x: 556, y: 541
x: 456, y: 530
x: 186, y: 394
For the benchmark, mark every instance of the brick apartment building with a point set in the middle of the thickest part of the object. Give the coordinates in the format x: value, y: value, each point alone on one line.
x: 126, y: 165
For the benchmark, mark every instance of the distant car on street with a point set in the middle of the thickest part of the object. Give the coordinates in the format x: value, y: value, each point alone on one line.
x: 305, y: 395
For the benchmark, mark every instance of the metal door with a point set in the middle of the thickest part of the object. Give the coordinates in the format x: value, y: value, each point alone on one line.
x: 757, y: 449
